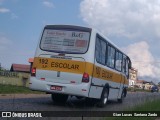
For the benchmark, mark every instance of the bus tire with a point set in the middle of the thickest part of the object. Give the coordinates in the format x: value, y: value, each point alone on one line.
x: 59, y: 98
x: 104, y: 97
x: 123, y: 95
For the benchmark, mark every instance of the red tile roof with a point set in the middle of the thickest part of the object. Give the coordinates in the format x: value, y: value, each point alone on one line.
x: 140, y: 81
x: 20, y: 68
x: 143, y: 81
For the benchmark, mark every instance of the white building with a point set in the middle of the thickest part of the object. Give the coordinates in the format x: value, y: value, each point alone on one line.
x: 132, y: 76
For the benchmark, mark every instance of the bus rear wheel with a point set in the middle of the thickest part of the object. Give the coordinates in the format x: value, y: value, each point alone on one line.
x: 59, y: 98
x: 104, y: 98
x: 123, y: 95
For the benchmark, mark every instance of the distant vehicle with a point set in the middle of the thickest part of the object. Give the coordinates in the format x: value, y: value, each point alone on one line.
x: 154, y: 88
x: 81, y: 62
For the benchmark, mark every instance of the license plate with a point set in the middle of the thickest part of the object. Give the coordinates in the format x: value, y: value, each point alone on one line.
x: 57, y: 88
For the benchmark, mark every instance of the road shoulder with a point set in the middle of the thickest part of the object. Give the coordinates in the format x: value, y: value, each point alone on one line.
x: 12, y: 96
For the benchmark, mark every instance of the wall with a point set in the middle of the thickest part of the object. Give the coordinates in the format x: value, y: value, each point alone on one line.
x: 14, y: 78
x: 148, y: 86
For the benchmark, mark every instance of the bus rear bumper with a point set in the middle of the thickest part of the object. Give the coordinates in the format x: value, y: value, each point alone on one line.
x: 70, y: 89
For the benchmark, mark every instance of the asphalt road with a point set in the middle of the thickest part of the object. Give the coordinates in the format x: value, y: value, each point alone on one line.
x: 44, y: 103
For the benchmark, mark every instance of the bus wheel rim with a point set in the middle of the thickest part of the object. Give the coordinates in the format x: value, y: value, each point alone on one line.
x: 105, y: 98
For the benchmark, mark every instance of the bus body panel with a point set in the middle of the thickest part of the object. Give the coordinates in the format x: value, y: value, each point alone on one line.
x: 70, y: 89
x: 102, y: 76
x: 69, y: 79
x: 60, y: 70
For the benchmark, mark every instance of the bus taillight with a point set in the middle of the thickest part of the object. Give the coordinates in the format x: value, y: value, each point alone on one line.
x: 85, y: 78
x: 33, y: 72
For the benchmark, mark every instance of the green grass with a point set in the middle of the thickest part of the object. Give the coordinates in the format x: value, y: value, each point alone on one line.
x: 150, y: 106
x: 137, y: 90
x: 11, y: 89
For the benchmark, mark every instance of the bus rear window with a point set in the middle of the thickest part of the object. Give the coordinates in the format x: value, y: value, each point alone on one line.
x: 65, y: 41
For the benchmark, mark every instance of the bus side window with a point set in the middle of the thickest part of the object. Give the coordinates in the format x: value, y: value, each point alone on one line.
x: 124, y: 65
x: 111, y: 57
x: 103, y: 51
x: 127, y: 69
x: 118, y: 65
x: 109, y: 60
x: 100, y: 51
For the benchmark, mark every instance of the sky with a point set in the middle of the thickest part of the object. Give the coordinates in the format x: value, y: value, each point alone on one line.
x: 133, y: 25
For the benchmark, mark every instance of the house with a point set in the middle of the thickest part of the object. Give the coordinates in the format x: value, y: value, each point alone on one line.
x: 18, y: 75
x: 20, y: 68
x: 132, y: 76
x: 23, y: 72
x: 30, y: 60
x: 142, y: 84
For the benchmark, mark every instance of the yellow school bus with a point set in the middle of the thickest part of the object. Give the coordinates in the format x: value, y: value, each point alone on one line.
x: 79, y: 61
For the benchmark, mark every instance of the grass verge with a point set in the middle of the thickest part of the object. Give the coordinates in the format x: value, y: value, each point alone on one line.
x: 137, y: 90
x: 150, y: 106
x: 11, y: 89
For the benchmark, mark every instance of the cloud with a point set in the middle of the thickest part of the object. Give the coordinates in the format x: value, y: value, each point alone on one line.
x: 143, y: 60
x: 48, y: 4
x: 134, y: 23
x: 127, y: 18
x: 4, y: 10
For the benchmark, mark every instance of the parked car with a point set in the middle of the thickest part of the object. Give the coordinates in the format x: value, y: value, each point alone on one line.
x: 154, y: 88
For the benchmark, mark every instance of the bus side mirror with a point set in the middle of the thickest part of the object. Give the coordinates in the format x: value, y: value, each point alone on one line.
x: 130, y: 65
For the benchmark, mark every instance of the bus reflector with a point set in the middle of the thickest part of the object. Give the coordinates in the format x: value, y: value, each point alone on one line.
x: 85, y: 78
x: 42, y: 78
x: 33, y: 72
